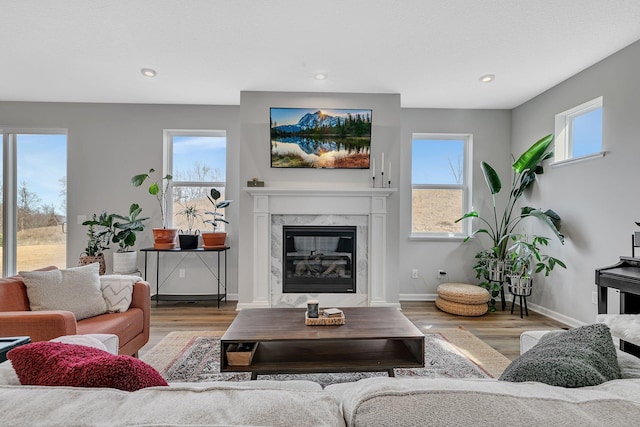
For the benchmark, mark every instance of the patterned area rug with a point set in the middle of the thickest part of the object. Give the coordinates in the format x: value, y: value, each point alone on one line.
x: 453, y: 353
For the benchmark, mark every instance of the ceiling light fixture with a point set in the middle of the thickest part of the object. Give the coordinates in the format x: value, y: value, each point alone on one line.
x: 148, y: 72
x: 487, y: 78
x: 320, y: 76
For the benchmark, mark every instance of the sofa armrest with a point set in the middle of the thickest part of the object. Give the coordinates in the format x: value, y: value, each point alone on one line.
x: 141, y: 298
x: 39, y: 325
x: 530, y: 338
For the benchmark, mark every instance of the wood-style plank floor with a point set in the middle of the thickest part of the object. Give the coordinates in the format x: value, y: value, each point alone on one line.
x: 501, y: 330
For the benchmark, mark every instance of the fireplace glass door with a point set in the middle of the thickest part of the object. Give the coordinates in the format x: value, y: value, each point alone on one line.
x: 319, y: 259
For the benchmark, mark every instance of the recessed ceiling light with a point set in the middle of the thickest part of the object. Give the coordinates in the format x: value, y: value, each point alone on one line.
x: 148, y: 72
x: 320, y: 76
x: 487, y: 78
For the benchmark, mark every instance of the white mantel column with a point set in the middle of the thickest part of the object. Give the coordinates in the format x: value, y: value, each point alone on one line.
x: 261, y: 251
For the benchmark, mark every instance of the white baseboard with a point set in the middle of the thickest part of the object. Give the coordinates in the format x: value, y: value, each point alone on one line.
x: 533, y: 307
x: 418, y: 297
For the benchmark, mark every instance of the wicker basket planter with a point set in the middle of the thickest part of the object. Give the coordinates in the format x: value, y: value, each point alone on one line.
x: 87, y: 259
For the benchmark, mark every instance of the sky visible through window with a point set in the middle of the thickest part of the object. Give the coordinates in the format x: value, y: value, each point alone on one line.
x: 42, y: 165
x: 432, y: 161
x: 206, y: 150
x: 587, y: 133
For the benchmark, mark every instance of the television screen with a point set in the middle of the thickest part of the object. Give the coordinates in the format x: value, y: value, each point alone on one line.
x: 320, y: 138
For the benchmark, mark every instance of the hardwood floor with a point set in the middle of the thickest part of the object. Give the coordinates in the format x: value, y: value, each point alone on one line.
x: 500, y: 330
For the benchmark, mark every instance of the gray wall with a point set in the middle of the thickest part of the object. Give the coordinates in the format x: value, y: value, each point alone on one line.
x: 597, y: 199
x: 109, y: 143
x: 491, y: 131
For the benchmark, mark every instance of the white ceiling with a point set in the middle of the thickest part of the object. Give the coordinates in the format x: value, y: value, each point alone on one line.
x: 431, y: 52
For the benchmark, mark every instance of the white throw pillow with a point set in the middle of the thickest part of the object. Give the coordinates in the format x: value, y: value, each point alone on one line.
x: 75, y: 289
x: 85, y: 340
x: 117, y: 290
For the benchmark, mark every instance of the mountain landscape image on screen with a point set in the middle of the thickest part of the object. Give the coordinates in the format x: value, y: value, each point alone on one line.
x: 320, y: 138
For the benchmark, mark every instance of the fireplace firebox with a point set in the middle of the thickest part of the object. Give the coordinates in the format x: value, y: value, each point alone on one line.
x: 319, y: 259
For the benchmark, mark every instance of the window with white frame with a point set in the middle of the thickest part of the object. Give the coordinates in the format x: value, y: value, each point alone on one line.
x: 579, y: 132
x: 197, y: 160
x: 34, y: 198
x: 440, y: 184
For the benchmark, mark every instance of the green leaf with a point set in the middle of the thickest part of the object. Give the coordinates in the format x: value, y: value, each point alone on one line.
x: 154, y: 188
x: 491, y: 177
x: 534, y: 155
x: 215, y: 194
x: 137, y: 180
x: 472, y: 214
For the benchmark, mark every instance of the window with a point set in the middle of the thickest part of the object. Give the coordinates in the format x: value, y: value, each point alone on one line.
x: 579, y: 132
x: 34, y: 169
x: 197, y: 160
x: 440, y: 184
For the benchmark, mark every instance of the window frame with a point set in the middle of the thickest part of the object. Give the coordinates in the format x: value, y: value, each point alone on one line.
x: 466, y: 186
x: 563, y: 145
x: 168, y: 135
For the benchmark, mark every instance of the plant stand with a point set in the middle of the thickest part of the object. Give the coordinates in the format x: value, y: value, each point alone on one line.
x: 520, y: 287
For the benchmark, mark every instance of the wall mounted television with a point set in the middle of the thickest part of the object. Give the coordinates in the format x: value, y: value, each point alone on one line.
x: 328, y: 138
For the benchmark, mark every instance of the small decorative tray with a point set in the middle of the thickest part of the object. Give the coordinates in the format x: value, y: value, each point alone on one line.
x: 323, y: 321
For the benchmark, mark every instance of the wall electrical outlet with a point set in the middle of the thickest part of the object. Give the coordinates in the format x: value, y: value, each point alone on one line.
x: 441, y: 275
x: 414, y: 273
x: 181, y: 273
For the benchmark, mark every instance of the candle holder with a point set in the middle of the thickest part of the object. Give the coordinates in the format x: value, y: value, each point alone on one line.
x: 389, y: 183
x: 373, y: 182
x: 382, y: 179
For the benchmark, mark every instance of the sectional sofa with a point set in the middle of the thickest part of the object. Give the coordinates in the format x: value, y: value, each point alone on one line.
x: 370, y: 402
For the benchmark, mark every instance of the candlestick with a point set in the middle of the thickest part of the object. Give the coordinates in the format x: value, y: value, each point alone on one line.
x: 373, y: 182
x: 381, y: 179
x: 389, y: 174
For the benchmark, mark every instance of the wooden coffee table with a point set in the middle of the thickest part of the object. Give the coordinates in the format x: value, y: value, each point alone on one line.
x: 372, y: 339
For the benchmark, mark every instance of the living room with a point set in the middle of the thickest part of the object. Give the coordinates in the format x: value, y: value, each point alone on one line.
x: 105, y: 130
x: 116, y: 121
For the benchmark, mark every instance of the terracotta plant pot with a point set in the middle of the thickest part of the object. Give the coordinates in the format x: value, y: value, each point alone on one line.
x: 164, y: 238
x: 213, y: 239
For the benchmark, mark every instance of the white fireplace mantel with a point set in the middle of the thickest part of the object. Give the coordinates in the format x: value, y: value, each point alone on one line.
x: 370, y: 202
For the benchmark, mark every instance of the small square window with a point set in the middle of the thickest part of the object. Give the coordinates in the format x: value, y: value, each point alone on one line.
x: 579, y: 132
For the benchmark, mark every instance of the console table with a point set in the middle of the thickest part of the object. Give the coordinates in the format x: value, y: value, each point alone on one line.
x: 221, y: 284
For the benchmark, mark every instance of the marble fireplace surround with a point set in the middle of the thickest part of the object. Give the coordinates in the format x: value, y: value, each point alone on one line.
x: 365, y: 208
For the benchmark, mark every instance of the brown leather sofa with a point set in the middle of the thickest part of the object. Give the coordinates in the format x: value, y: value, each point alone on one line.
x: 17, y: 319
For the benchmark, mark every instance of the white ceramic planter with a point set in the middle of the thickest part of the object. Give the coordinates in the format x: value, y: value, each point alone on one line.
x: 125, y: 262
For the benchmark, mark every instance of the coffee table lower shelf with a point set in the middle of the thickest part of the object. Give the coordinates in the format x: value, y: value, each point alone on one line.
x: 315, y: 356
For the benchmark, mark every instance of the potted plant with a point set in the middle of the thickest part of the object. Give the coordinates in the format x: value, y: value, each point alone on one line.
x: 164, y: 238
x: 493, y: 262
x: 99, y: 234
x: 524, y: 255
x: 189, y: 238
x: 124, y: 234
x: 215, y: 238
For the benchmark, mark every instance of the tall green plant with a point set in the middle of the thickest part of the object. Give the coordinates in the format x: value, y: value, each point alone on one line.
x: 159, y: 189
x: 502, y: 224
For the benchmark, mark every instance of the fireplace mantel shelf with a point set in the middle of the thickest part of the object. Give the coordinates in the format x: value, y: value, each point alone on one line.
x: 317, y: 191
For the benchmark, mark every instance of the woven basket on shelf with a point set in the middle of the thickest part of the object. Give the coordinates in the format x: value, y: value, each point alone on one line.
x: 87, y: 259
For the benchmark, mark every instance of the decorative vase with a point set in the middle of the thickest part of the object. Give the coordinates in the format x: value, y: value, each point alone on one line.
x: 164, y: 238
x: 88, y: 259
x: 188, y: 241
x: 125, y: 262
x: 214, y: 239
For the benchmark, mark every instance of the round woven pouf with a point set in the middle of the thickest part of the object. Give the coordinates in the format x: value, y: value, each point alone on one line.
x: 462, y: 299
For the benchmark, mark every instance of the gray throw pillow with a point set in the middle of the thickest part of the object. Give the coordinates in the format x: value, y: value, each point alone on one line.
x: 580, y: 357
x: 75, y: 289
